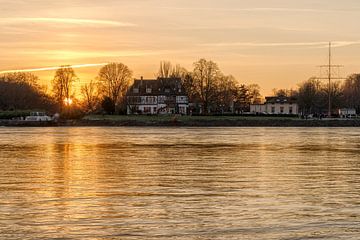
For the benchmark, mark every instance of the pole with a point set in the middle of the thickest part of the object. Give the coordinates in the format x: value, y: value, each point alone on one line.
x: 329, y: 109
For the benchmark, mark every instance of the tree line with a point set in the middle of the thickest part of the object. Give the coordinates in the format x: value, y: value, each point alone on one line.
x: 206, y: 85
x: 313, y: 95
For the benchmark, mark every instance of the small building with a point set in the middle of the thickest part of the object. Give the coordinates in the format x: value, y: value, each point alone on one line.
x: 276, y: 105
x: 347, y: 112
x: 157, y: 96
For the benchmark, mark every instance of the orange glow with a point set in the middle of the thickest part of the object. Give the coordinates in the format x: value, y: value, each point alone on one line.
x: 276, y: 43
x: 54, y: 68
x: 68, y: 101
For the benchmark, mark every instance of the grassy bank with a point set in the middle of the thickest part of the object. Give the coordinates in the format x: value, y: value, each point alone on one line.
x: 214, y: 121
x: 14, y: 114
x: 190, y: 121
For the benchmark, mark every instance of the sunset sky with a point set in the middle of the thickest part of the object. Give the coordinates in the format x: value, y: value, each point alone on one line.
x: 275, y: 43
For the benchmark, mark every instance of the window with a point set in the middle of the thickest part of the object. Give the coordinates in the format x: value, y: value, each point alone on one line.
x: 272, y: 109
x: 161, y: 99
x: 150, y: 100
x: 290, y: 110
x: 148, y: 90
x: 281, y: 109
x: 136, y: 90
x: 147, y: 109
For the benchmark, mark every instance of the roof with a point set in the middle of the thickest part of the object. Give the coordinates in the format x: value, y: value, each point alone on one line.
x: 281, y: 100
x: 157, y: 87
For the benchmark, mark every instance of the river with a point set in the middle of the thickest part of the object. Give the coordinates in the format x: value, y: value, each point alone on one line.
x: 179, y: 183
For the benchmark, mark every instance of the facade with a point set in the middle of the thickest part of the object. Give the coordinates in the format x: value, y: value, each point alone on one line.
x: 276, y: 105
x: 347, y: 112
x: 159, y: 96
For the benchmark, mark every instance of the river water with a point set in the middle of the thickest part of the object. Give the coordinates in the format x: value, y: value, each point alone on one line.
x: 179, y: 183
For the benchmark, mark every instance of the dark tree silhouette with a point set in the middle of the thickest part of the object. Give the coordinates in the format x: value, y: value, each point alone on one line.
x: 62, y: 86
x: 114, y: 80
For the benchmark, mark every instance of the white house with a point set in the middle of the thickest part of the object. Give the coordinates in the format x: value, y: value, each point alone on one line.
x: 159, y: 96
x: 276, y: 105
x: 347, y: 112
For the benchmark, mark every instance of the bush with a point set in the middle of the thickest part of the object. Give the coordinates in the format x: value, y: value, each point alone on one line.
x: 108, y: 105
x: 13, y: 114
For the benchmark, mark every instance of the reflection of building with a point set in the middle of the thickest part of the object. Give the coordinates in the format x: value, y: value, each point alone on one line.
x: 160, y: 96
x: 276, y: 105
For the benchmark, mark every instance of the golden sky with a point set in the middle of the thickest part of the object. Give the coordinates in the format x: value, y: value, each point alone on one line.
x: 275, y: 43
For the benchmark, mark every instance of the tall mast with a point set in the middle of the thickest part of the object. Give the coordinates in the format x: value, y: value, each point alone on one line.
x: 330, y: 77
x: 329, y: 109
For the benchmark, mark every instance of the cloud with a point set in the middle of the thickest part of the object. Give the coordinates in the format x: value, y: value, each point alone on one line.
x: 74, y: 54
x: 69, y: 21
x: 308, y: 10
x: 53, y: 68
x: 281, y: 44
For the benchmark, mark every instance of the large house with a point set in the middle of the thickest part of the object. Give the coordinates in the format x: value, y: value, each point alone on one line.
x: 157, y: 96
x: 276, y: 105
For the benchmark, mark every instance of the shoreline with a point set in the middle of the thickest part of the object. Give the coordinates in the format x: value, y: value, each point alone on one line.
x: 196, y: 122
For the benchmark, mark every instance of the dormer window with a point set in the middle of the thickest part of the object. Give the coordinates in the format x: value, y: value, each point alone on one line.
x: 148, y: 90
x: 167, y: 90
x: 135, y: 90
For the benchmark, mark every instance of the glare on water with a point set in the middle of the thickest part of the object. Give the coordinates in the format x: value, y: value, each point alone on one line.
x: 179, y: 183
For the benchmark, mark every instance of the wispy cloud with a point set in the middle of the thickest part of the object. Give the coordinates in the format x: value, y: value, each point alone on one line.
x: 73, y: 54
x: 309, y: 10
x: 53, y: 68
x: 281, y: 44
x: 68, y: 21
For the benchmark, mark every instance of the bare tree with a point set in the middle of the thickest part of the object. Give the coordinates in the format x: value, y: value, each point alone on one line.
x: 206, y: 75
x: 22, y: 91
x: 90, y: 95
x: 352, y: 91
x: 114, y: 81
x: 226, y: 93
x: 165, y: 69
x: 243, y: 99
x: 336, y: 94
x: 309, y: 98
x: 63, y: 85
x: 283, y: 92
x: 22, y: 77
x: 254, y: 93
x: 178, y: 72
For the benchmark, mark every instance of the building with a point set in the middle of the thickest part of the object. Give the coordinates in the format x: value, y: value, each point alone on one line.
x: 157, y: 96
x: 347, y: 112
x: 276, y: 105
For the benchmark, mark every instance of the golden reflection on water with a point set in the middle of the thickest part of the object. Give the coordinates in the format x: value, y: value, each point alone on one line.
x: 188, y: 183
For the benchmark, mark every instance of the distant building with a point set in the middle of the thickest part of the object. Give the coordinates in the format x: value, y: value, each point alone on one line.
x: 157, y: 96
x: 276, y: 105
x: 347, y: 112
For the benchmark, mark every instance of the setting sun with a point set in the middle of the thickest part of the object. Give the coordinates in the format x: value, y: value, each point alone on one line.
x: 68, y: 101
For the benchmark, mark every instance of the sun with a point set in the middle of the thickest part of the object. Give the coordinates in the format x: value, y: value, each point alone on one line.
x: 68, y: 101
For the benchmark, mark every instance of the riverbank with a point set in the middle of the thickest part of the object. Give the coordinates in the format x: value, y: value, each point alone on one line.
x: 190, y: 121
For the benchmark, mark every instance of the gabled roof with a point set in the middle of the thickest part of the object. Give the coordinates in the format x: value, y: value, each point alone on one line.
x: 159, y: 87
x: 281, y: 100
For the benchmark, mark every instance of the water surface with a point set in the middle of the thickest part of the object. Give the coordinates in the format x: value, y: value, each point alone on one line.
x: 187, y: 183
